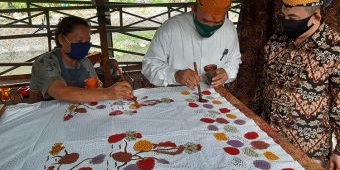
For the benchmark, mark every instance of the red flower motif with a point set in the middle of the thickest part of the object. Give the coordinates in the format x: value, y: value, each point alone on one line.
x: 224, y: 110
x: 207, y: 120
x: 116, y: 112
x: 251, y: 135
x: 231, y: 150
x: 138, y: 135
x: 116, y: 138
x: 206, y: 92
x: 146, y: 164
x: 85, y: 168
x: 67, y: 117
x: 198, y: 147
x: 193, y: 105
x: 166, y: 144
x: 80, y: 110
x: 222, y: 120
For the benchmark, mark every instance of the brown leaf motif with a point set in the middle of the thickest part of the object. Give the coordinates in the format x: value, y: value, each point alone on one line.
x: 69, y: 158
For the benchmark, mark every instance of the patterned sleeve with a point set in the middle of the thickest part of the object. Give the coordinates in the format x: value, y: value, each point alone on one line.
x: 335, y: 104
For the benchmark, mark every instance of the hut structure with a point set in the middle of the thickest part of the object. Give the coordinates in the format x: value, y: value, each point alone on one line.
x: 121, y: 33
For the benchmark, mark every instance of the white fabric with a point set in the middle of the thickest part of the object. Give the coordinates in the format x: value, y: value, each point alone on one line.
x: 176, y: 45
x: 28, y: 132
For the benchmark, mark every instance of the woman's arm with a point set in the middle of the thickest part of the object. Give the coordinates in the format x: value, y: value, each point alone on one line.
x: 60, y: 91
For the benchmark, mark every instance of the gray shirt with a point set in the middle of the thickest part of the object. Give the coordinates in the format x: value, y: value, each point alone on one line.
x: 46, y: 69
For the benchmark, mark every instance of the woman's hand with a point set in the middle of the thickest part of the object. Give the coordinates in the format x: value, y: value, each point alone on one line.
x: 120, y: 90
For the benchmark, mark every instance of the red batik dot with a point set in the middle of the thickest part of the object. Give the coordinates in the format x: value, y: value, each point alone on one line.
x: 224, y: 110
x: 146, y: 164
x: 198, y: 147
x: 138, y: 135
x: 116, y: 112
x: 207, y: 120
x: 67, y: 117
x: 193, y: 105
x: 116, y: 138
x: 167, y: 144
x: 80, y: 110
x: 206, y: 92
x: 251, y: 135
x: 85, y: 168
x: 259, y: 145
x: 93, y: 103
x: 232, y: 150
x: 221, y: 120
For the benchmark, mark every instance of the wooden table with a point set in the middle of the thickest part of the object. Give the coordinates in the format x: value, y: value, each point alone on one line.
x: 296, y: 153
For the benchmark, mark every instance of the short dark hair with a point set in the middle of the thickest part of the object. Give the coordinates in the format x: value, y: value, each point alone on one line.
x: 66, y: 26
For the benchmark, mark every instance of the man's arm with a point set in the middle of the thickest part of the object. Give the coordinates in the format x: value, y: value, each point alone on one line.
x: 233, y: 58
x: 155, y: 63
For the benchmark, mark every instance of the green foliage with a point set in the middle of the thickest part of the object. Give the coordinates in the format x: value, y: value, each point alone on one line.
x: 128, y: 43
x: 15, y: 5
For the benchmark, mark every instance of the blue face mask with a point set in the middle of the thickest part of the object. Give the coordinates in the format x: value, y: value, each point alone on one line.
x: 78, y: 50
x: 205, y: 30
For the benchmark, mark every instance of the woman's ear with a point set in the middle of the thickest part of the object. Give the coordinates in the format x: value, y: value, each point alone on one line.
x: 64, y: 43
x: 61, y: 39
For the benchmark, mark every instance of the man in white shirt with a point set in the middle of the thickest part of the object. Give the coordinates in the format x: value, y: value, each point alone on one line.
x: 204, y: 36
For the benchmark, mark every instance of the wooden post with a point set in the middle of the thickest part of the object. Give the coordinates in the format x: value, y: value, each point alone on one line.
x: 105, y: 63
x: 2, y: 109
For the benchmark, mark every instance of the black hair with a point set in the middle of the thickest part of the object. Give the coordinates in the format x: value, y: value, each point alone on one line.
x: 66, y: 26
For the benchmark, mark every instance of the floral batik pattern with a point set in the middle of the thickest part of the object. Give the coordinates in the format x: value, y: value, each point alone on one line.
x: 299, y: 91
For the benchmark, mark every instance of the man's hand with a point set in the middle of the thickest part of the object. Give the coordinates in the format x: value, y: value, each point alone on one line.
x: 334, y: 162
x: 120, y: 90
x: 187, y: 77
x: 220, y: 78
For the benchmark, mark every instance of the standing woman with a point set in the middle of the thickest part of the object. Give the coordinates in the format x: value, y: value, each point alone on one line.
x: 61, y: 73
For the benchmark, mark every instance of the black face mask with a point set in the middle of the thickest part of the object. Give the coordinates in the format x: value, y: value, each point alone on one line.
x: 295, y: 28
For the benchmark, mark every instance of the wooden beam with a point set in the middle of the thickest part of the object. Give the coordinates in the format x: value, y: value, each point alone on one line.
x: 15, y: 77
x: 105, y: 62
x: 2, y: 109
x: 16, y: 64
